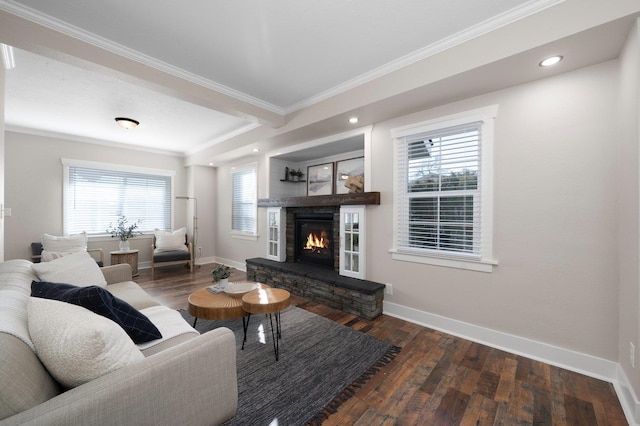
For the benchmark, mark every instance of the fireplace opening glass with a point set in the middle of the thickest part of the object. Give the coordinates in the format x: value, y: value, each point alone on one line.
x: 314, y: 240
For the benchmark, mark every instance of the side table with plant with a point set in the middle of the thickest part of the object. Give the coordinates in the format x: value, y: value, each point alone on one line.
x: 123, y: 231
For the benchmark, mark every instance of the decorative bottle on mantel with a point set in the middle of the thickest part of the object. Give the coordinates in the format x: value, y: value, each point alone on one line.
x: 286, y: 173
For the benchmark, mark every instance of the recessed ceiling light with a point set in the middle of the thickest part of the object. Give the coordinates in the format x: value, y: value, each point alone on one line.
x: 256, y: 149
x: 353, y: 120
x: 211, y: 164
x: 550, y: 61
x: 127, y: 123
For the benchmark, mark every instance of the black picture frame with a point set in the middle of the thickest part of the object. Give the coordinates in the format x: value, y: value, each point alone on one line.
x: 320, y: 179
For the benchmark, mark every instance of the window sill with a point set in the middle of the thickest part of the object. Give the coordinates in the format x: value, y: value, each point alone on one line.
x: 103, y: 238
x: 457, y: 263
x: 244, y: 236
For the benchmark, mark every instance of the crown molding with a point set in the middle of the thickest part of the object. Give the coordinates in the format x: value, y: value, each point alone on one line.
x: 461, y: 37
x: 220, y: 139
x: 478, y: 30
x: 118, y: 49
x: 84, y: 139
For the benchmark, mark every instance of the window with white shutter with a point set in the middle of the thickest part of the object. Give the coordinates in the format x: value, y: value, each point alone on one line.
x: 95, y: 194
x: 443, y: 200
x: 244, y: 200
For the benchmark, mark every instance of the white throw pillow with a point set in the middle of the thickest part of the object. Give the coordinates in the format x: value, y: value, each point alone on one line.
x: 76, y: 345
x: 170, y: 241
x: 77, y: 268
x: 55, y: 247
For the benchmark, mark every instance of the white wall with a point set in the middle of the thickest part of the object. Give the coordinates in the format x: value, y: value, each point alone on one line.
x: 277, y: 188
x: 2, y: 144
x: 33, y: 188
x: 230, y: 250
x: 205, y: 191
x: 554, y: 225
x: 554, y: 218
x: 629, y: 206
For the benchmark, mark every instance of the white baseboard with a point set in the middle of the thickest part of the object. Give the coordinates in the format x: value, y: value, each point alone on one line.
x: 204, y: 260
x: 241, y: 266
x: 627, y: 396
x: 589, y: 365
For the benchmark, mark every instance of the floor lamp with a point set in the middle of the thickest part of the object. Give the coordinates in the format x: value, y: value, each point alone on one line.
x: 195, y: 220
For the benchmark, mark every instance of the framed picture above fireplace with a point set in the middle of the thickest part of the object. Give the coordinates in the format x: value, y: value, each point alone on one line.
x: 350, y: 176
x: 320, y: 179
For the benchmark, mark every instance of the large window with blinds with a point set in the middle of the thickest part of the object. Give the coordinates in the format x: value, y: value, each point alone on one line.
x: 95, y: 194
x: 441, y: 182
x: 244, y: 200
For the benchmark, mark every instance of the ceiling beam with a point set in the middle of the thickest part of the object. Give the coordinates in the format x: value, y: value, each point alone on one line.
x: 38, y: 38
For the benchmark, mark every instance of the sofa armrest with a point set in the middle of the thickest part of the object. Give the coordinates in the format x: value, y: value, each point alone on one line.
x: 193, y: 383
x: 117, y: 273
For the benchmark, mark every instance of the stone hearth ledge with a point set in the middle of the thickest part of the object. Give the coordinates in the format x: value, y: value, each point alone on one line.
x: 359, y: 297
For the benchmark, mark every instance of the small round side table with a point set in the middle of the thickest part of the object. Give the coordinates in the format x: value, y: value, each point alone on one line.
x: 129, y: 256
x: 267, y: 301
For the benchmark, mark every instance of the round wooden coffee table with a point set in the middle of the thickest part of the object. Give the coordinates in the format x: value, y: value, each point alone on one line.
x: 206, y: 305
x: 269, y: 301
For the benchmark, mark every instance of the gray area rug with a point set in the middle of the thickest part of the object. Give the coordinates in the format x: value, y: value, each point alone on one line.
x: 321, y: 364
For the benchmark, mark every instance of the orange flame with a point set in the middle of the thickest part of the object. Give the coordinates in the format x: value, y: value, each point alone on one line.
x: 315, y: 242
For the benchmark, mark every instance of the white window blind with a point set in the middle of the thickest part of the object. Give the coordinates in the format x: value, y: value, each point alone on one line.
x: 94, y: 197
x: 439, y: 194
x: 244, y: 200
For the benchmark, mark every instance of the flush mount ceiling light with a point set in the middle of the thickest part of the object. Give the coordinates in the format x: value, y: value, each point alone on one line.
x: 550, y: 61
x: 127, y: 123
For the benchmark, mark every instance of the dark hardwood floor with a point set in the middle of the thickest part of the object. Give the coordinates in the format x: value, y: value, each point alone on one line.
x: 438, y: 379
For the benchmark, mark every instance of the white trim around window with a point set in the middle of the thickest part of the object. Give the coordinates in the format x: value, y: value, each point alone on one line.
x: 244, y: 202
x: 426, y: 208
x: 98, y: 191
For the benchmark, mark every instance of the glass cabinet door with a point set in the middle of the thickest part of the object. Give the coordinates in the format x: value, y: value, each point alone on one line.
x: 275, y: 234
x: 352, y: 232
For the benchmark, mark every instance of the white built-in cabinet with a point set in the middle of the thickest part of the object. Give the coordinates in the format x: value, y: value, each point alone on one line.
x: 352, y: 241
x: 276, y: 228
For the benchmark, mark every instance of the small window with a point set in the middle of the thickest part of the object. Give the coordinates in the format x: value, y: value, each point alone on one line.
x: 96, y: 193
x: 244, y: 200
x: 443, y: 189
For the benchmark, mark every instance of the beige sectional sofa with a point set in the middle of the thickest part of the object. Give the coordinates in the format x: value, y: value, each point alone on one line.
x: 185, y: 379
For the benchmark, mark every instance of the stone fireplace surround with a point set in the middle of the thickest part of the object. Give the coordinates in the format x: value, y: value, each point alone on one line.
x: 359, y: 297
x: 323, y: 285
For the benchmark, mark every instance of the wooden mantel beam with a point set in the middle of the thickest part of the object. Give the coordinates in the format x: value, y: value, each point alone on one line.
x: 352, y: 199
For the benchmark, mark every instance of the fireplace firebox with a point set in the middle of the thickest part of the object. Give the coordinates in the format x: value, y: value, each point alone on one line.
x: 314, y: 239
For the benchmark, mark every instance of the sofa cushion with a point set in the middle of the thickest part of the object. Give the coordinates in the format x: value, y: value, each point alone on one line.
x: 100, y: 301
x: 25, y: 381
x: 133, y: 294
x: 174, y: 329
x: 170, y: 241
x: 75, y: 344
x: 171, y: 256
x: 78, y: 268
x: 15, y: 288
x: 54, y: 247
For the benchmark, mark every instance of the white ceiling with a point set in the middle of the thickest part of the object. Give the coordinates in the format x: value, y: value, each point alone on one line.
x: 246, y: 72
x: 52, y: 96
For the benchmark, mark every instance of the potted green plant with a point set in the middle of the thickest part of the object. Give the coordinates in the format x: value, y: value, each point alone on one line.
x: 296, y: 174
x: 221, y: 274
x: 123, y: 231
